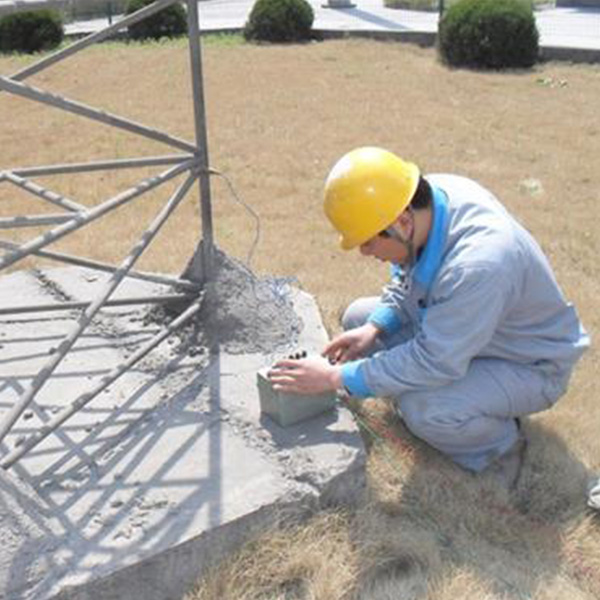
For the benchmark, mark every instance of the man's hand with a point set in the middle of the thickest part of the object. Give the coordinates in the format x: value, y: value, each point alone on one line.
x: 306, y: 376
x: 351, y: 344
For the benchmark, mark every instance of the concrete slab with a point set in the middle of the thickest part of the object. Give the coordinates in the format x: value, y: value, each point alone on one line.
x: 164, y: 473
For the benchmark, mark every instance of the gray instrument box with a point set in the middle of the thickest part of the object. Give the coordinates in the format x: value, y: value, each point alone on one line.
x: 288, y: 409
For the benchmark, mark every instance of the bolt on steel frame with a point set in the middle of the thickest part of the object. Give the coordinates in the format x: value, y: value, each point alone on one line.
x: 74, y: 216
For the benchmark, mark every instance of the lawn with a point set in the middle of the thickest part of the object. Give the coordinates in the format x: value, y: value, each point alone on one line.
x: 278, y: 118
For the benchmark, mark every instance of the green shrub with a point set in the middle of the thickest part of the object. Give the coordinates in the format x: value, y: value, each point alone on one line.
x: 280, y: 21
x: 492, y: 34
x: 169, y: 22
x: 31, y: 31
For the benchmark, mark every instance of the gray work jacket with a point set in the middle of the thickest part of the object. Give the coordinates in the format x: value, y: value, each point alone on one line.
x: 481, y: 287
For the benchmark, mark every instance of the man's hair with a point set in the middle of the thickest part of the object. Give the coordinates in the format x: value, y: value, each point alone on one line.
x: 423, y: 196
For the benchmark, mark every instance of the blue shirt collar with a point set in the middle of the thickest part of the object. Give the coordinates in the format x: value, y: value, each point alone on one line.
x: 431, y: 257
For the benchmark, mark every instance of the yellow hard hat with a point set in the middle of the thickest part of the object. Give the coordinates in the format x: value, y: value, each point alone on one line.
x: 367, y: 189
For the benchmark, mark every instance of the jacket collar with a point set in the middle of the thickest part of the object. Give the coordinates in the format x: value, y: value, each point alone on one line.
x: 430, y: 259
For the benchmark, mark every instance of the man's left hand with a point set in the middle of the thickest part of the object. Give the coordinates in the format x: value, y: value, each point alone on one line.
x: 305, y: 376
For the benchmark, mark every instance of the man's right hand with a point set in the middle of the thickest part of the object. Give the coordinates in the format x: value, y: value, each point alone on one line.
x: 351, y: 344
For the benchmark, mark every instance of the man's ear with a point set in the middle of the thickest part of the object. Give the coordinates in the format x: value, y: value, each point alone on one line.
x: 404, y: 219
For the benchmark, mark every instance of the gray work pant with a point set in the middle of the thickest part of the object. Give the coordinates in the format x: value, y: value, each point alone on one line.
x: 471, y: 420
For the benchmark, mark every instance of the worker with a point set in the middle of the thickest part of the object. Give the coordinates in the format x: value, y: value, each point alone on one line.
x: 471, y: 334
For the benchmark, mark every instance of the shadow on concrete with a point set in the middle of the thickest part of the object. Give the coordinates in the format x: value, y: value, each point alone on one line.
x: 89, y: 492
x: 164, y: 472
x: 367, y: 17
x: 297, y: 435
x: 582, y: 10
x: 136, y: 338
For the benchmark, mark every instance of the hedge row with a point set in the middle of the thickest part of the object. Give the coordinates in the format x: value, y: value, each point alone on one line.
x: 474, y: 33
x: 39, y: 30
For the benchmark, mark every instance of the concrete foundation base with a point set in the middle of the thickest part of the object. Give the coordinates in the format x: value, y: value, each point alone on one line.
x: 163, y: 474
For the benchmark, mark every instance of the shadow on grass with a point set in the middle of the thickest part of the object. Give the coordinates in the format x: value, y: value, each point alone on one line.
x: 432, y: 527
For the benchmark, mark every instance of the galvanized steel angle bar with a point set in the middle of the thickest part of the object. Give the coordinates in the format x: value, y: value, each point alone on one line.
x: 201, y: 134
x: 105, y: 165
x: 42, y: 192
x: 31, y: 93
x: 107, y: 268
x: 85, y: 319
x: 81, y: 219
x: 33, y: 220
x: 162, y: 299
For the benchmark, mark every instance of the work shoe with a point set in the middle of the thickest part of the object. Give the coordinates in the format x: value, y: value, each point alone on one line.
x: 507, y: 468
x: 594, y: 496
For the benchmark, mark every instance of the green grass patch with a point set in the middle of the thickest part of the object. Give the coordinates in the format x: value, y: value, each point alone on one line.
x: 209, y: 39
x: 223, y: 39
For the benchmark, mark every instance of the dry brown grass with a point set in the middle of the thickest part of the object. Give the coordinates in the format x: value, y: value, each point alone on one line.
x: 430, y: 530
x: 290, y: 562
x: 278, y: 118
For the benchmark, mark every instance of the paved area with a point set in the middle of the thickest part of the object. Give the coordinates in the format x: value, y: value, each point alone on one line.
x: 166, y: 471
x: 563, y: 28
